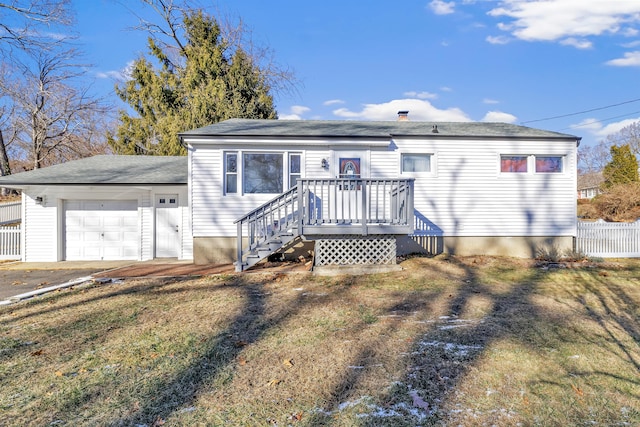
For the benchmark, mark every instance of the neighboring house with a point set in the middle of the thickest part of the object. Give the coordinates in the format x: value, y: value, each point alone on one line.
x: 105, y: 208
x: 466, y: 188
x: 362, y: 191
x: 589, y: 185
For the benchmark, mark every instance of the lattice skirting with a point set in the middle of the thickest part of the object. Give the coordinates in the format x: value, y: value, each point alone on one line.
x: 370, y: 250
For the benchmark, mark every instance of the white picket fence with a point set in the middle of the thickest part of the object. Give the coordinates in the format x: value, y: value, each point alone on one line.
x: 10, y: 242
x: 608, y: 239
x: 10, y: 212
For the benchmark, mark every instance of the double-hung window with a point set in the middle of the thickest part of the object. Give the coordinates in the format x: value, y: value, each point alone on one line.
x: 252, y: 172
x: 295, y: 168
x: 418, y: 162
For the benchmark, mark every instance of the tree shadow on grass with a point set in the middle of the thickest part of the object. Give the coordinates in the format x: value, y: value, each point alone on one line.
x: 221, y: 352
x: 445, y: 356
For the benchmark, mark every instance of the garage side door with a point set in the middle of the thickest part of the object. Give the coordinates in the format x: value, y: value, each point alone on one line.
x: 101, y: 230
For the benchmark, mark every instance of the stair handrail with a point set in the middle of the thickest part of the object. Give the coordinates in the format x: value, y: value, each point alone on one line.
x: 267, y: 221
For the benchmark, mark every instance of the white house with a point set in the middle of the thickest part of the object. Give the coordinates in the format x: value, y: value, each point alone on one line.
x: 105, y: 208
x: 353, y: 191
x: 471, y: 188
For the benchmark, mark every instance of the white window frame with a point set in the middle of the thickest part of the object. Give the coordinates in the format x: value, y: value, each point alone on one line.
x: 286, y: 169
x: 562, y: 164
x: 531, y: 164
x: 432, y: 164
x: 226, y: 173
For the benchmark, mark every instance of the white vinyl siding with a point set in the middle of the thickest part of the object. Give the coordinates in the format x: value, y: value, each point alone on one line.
x: 468, y: 197
x: 213, y: 213
x: 44, y: 235
x: 464, y: 194
x: 39, y: 224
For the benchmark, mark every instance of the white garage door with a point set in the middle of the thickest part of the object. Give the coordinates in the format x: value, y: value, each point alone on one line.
x: 101, y: 230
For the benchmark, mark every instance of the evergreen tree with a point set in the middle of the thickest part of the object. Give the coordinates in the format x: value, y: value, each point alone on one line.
x: 201, y: 80
x: 623, y: 167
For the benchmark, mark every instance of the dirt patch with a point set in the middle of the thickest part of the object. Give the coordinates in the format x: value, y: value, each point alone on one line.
x: 166, y: 270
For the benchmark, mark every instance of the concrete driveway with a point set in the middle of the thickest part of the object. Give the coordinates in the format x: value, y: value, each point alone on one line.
x: 21, y: 277
x: 17, y: 278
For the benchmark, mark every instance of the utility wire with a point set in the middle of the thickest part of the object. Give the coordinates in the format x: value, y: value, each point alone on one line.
x: 600, y: 120
x: 583, y: 112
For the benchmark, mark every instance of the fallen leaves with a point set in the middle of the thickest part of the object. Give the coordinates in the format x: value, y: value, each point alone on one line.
x: 287, y: 362
x: 274, y: 382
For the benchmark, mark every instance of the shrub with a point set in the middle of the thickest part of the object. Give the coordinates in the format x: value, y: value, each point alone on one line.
x: 619, y: 203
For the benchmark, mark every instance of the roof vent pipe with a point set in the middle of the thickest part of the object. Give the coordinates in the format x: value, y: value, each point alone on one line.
x: 403, y: 116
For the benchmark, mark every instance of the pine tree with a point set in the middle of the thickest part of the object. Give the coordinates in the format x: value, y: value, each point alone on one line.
x: 623, y: 167
x: 201, y: 80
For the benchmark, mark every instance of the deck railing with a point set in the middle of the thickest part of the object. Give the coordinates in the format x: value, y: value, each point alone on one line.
x: 272, y: 218
x: 330, y: 207
x: 356, y: 206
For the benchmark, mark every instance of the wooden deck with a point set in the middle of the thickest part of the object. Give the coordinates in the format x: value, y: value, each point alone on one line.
x: 326, y: 207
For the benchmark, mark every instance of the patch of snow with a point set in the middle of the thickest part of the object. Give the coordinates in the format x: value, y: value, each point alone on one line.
x: 460, y: 350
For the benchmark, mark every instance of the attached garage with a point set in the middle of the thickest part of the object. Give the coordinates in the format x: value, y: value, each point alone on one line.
x: 101, y: 230
x: 106, y: 208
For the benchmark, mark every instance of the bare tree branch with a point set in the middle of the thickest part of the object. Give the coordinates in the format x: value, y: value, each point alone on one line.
x: 23, y: 23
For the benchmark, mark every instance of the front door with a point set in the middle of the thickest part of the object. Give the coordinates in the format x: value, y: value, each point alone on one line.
x: 348, y: 198
x: 167, y: 226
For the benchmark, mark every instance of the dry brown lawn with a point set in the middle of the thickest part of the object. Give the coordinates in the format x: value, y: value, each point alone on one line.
x: 447, y: 341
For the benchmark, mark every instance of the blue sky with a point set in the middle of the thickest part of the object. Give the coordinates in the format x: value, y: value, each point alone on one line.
x: 512, y: 61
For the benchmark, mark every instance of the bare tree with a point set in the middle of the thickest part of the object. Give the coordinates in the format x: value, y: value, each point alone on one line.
x: 25, y: 26
x: 23, y: 22
x: 593, y: 158
x: 628, y: 135
x: 52, y: 111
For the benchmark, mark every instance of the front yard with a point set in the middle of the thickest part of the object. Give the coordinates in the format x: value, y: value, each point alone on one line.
x: 447, y: 341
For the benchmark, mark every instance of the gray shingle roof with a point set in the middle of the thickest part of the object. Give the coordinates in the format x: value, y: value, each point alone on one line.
x: 346, y: 128
x: 590, y: 180
x: 106, y: 170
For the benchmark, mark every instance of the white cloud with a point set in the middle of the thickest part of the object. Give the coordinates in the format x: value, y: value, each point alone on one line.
x: 333, y: 102
x: 631, y: 59
x: 440, y: 7
x: 551, y: 20
x: 497, y: 39
x: 499, y: 116
x: 421, y: 95
x: 299, y: 109
x: 419, y: 110
x: 121, y: 75
x: 632, y: 44
x: 597, y: 129
x: 446, y: 89
x: 577, y: 43
x: 490, y: 101
x: 296, y: 112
